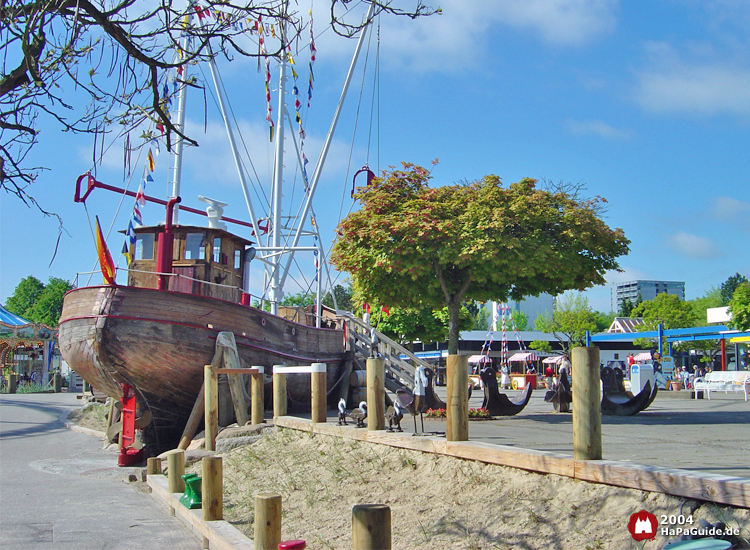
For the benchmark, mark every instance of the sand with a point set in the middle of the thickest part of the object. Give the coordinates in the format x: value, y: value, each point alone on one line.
x: 437, y: 502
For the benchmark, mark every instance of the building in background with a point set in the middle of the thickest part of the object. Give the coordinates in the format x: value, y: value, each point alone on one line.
x: 647, y: 289
x: 532, y: 307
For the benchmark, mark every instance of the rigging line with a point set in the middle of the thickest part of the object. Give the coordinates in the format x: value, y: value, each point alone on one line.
x: 377, y: 72
x: 375, y: 82
x: 219, y: 83
x: 257, y: 187
x: 356, y: 124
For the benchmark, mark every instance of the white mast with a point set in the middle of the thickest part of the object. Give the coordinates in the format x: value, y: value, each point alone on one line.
x: 175, y: 168
x: 277, y: 292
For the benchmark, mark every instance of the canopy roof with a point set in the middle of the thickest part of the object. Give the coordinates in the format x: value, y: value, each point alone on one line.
x: 479, y: 359
x: 555, y: 360
x: 527, y: 356
x: 644, y: 356
x: 11, y: 318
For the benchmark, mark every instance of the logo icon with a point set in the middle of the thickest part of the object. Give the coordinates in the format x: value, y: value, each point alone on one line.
x: 642, y: 525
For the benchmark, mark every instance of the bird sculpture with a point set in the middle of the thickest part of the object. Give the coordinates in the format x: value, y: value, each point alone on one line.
x: 360, y: 414
x: 394, y: 415
x: 342, y: 412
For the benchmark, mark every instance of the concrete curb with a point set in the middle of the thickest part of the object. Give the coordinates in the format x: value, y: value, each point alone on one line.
x: 63, y: 419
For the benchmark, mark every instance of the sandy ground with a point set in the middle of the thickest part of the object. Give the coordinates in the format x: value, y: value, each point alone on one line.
x: 437, y: 502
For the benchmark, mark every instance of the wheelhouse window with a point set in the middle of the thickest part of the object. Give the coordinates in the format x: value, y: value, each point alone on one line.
x: 144, y: 246
x: 195, y: 246
x: 217, y: 250
x: 237, y: 259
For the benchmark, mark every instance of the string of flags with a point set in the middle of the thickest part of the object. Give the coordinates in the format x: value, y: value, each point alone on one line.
x: 140, y: 200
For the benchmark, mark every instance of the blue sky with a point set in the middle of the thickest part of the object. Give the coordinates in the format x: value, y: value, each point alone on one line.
x: 647, y: 103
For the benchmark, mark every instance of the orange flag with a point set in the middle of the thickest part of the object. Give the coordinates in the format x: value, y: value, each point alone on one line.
x: 105, y: 258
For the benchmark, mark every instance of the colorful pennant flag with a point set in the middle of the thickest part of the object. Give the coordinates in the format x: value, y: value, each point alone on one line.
x: 105, y: 258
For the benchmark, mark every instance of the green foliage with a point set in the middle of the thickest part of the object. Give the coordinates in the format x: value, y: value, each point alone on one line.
x: 627, y: 307
x: 24, y: 296
x: 304, y: 299
x: 413, y: 246
x: 37, y: 302
x: 343, y: 298
x: 739, y: 307
x: 728, y: 287
x: 408, y: 325
x: 540, y: 345
x: 570, y: 320
x: 666, y: 310
x: 521, y: 320
x: 712, y: 298
x: 301, y: 299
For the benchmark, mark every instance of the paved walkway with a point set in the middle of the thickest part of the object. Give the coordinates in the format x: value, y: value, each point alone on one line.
x: 674, y: 432
x: 60, y: 490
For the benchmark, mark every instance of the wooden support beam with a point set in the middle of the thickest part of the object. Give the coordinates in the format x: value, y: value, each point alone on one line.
x: 376, y: 393
x: 256, y: 396
x: 267, y: 521
x: 279, y: 392
x: 587, y: 417
x: 175, y: 470
x: 371, y: 527
x: 153, y: 466
x: 319, y: 392
x: 212, y: 497
x: 211, y: 383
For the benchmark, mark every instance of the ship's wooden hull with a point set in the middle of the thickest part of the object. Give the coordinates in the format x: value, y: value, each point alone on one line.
x: 159, y: 341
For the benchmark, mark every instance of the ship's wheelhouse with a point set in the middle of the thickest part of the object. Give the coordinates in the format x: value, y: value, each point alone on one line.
x: 205, y: 261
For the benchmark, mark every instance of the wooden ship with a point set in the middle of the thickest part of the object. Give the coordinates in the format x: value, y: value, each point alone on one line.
x: 157, y: 333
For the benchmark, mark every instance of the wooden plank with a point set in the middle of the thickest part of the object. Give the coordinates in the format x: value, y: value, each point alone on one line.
x: 221, y: 534
x: 733, y: 491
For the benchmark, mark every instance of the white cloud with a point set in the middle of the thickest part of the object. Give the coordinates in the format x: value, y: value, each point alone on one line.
x: 693, y: 246
x: 702, y: 86
x: 458, y: 38
x: 597, y: 128
x: 731, y: 210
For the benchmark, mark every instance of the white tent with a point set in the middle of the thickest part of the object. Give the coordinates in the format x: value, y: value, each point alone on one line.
x: 555, y: 360
x: 479, y: 359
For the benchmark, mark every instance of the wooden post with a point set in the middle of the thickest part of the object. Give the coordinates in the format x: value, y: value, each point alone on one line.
x: 319, y: 391
x: 175, y: 470
x: 211, y: 384
x: 371, y: 526
x: 153, y: 466
x: 12, y: 383
x: 587, y: 420
x: 376, y: 393
x: 57, y: 381
x: 457, y: 413
x: 256, y: 397
x: 212, y: 498
x: 196, y: 415
x: 279, y: 393
x: 267, y: 521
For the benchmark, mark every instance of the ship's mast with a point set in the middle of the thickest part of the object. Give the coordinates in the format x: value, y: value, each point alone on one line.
x: 276, y: 293
x: 175, y: 168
